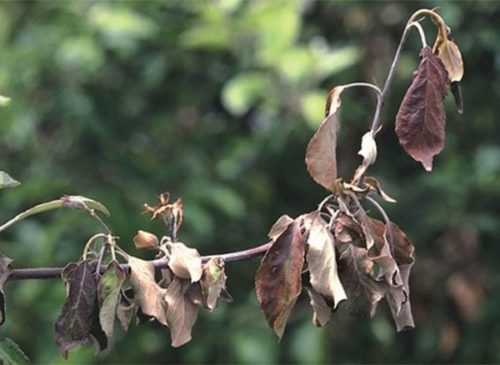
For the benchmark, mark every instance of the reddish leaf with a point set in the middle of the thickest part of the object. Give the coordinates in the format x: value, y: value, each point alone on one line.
x: 420, y: 121
x: 321, y: 159
x: 278, y: 279
x: 79, y: 318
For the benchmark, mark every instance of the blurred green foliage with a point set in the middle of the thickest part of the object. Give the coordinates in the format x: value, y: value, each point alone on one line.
x: 214, y: 101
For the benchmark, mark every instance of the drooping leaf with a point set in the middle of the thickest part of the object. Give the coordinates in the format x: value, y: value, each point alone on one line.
x: 279, y: 227
x: 322, y: 262
x: 185, y: 262
x: 322, y: 311
x: 181, y: 313
x: 373, y: 184
x: 5, y: 270
x: 333, y: 101
x: 145, y: 239
x: 79, y: 318
x: 447, y: 50
x: 321, y: 158
x: 278, y: 278
x: 456, y: 91
x: 108, y: 292
x: 420, y: 121
x: 6, y: 181
x: 148, y: 294
x: 213, y: 281
x: 82, y: 202
x: 11, y: 353
x: 125, y: 309
x: 356, y: 273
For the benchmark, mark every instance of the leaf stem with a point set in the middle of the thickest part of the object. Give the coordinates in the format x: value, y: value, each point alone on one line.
x: 55, y: 272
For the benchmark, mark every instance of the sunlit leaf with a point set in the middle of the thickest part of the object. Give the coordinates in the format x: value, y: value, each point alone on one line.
x: 420, y: 121
x: 278, y: 279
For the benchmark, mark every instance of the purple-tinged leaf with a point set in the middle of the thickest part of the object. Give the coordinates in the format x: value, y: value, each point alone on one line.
x: 420, y: 121
x: 278, y: 279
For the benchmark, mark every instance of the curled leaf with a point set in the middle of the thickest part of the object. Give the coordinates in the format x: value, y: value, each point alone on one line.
x: 185, y: 262
x: 322, y: 262
x: 279, y: 227
x: 369, y: 153
x: 149, y: 295
x: 447, y: 50
x: 145, y: 239
x: 333, y: 101
x: 373, y: 184
x: 213, y: 281
x: 420, y: 121
x: 181, y: 311
x: 322, y: 311
x: 278, y: 279
x: 321, y: 158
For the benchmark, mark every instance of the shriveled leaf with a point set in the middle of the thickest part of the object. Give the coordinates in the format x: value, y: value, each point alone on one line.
x: 447, y: 50
x: 4, y: 101
x: 369, y: 153
x: 185, y: 262
x: 356, y: 273
x: 79, y: 318
x: 456, y: 91
x: 333, y: 101
x: 420, y: 121
x: 278, y: 279
x: 181, y: 313
x: 108, y: 292
x: 213, y: 281
x: 5, y: 271
x: 322, y: 311
x: 125, y: 310
x: 321, y: 158
x: 280, y: 226
x: 82, y: 202
x: 6, y: 181
x: 148, y: 294
x: 11, y: 353
x: 145, y: 239
x: 346, y: 229
x: 373, y: 184
x: 322, y: 262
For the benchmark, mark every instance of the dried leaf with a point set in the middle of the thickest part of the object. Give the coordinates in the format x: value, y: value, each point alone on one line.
x: 333, y: 100
x: 447, y: 50
x: 147, y: 292
x: 185, y: 262
x: 373, y: 184
x: 322, y: 311
x: 456, y: 91
x: 6, y: 181
x: 213, y: 281
x: 5, y: 270
x: 356, y: 271
x: 79, y: 318
x: 420, y: 121
x: 278, y: 279
x: 125, y: 310
x: 145, y: 239
x: 322, y: 262
x: 108, y: 293
x: 346, y: 229
x: 369, y: 153
x: 279, y: 227
x: 181, y: 312
x: 321, y: 159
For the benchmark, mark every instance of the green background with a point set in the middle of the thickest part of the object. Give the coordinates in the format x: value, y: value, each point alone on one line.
x: 215, y: 101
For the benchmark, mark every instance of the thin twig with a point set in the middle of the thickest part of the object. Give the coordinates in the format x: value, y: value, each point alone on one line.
x: 55, y: 272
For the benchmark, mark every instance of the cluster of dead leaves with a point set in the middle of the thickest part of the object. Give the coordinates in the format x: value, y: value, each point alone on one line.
x: 94, y: 301
x: 420, y: 122
x: 345, y: 258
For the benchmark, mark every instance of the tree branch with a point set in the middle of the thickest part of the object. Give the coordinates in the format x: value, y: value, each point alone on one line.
x: 55, y: 272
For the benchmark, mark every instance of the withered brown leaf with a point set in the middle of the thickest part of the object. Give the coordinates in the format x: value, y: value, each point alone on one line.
x: 321, y: 158
x: 213, y: 282
x: 181, y: 311
x: 278, y: 279
x: 447, y: 50
x: 279, y: 227
x: 148, y: 294
x: 322, y: 262
x: 145, y: 239
x: 322, y: 311
x: 79, y: 318
x: 420, y: 121
x: 185, y: 262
